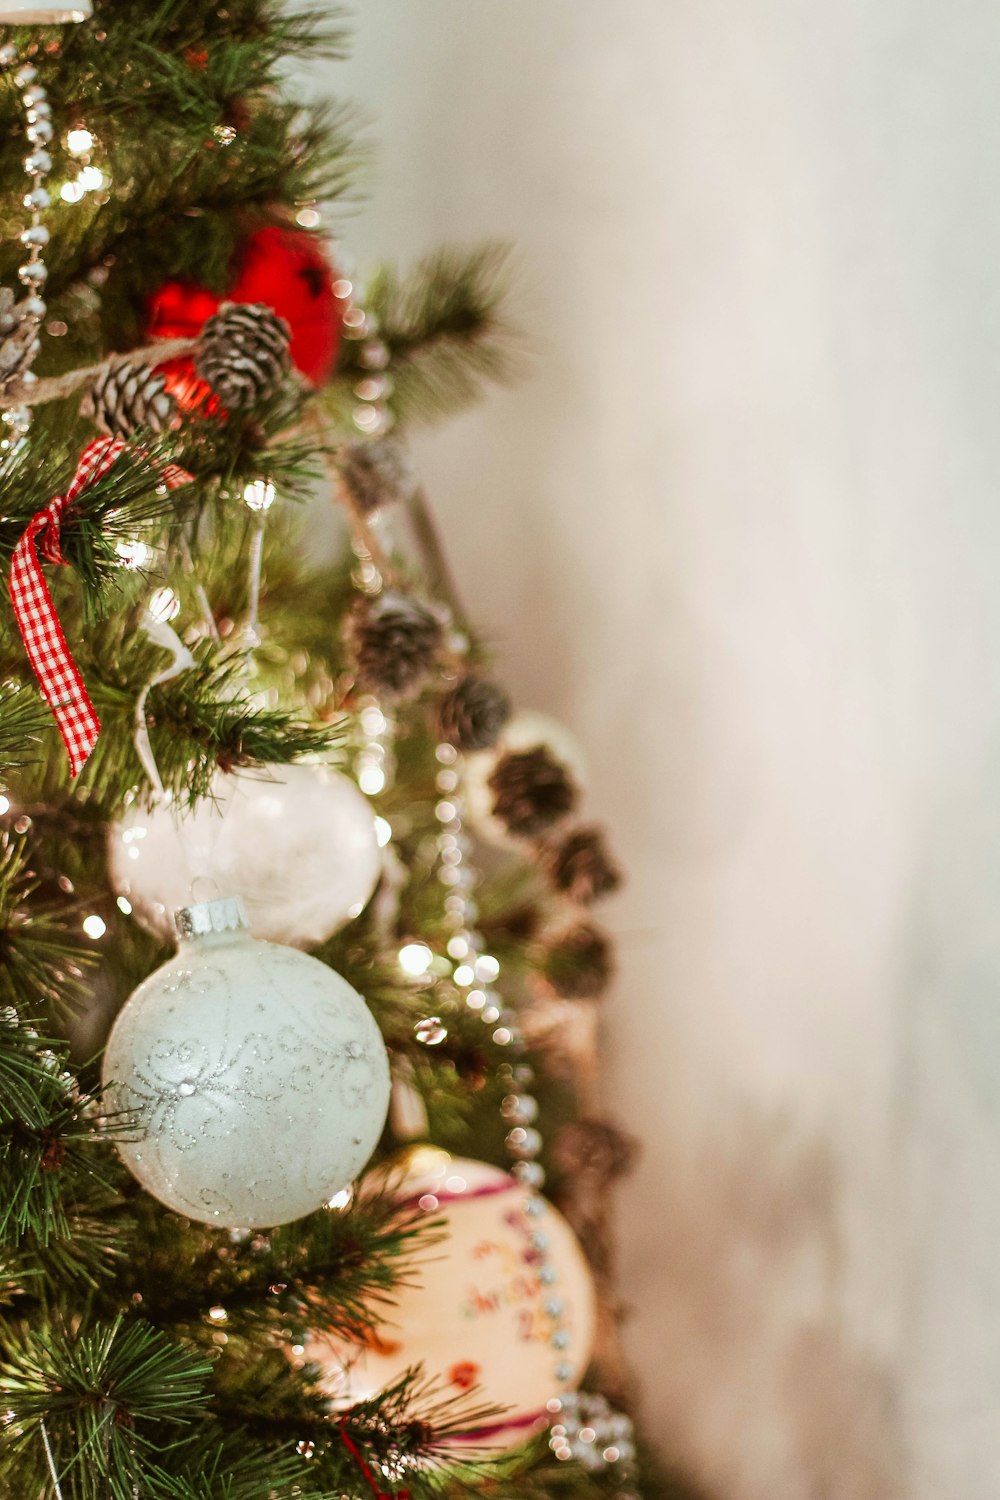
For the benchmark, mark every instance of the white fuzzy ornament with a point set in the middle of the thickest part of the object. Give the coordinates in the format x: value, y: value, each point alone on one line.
x: 483, y: 1310
x: 527, y: 730
x: 34, y: 13
x: 254, y: 1080
x: 296, y: 843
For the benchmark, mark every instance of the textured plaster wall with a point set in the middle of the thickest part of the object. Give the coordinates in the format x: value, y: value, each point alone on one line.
x: 740, y: 528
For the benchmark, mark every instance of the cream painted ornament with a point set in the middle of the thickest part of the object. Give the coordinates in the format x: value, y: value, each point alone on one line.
x: 250, y: 1081
x: 296, y: 843
x: 526, y: 730
x: 502, y: 1307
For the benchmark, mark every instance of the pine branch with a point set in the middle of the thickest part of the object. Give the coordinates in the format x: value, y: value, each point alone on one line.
x: 50, y: 1155
x: 111, y: 1396
x: 42, y: 963
x: 335, y: 1270
x: 446, y: 330
x: 25, y: 721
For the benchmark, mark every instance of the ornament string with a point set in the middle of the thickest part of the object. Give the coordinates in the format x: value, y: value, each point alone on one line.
x: 162, y: 634
x: 50, y: 1461
x: 366, y: 1469
x: 208, y: 618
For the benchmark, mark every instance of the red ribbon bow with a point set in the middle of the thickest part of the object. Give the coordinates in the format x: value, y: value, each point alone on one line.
x: 58, y: 675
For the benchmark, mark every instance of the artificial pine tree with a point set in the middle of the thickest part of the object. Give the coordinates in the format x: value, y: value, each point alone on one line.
x: 188, y: 382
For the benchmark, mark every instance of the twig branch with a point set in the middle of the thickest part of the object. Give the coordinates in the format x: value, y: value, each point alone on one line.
x: 58, y: 387
x: 437, y: 570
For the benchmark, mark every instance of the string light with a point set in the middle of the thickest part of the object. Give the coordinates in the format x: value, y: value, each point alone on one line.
x: 415, y: 959
x: 259, y: 495
x: 164, y: 606
x: 133, y: 554
x: 94, y: 926
x: 79, y: 142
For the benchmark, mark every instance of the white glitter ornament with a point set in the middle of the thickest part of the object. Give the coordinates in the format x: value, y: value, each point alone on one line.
x: 37, y: 13
x: 254, y: 1079
x: 296, y: 843
x: 502, y: 1307
x: 526, y: 730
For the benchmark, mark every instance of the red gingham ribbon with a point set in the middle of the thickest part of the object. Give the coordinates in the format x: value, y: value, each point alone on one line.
x: 58, y: 675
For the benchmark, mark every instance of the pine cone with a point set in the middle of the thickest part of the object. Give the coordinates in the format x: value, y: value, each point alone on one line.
x: 578, y: 963
x: 127, y: 396
x: 472, y: 714
x: 531, y: 791
x: 581, y: 867
x: 19, y: 341
x: 594, y: 1147
x: 394, y: 643
x: 376, y: 472
x: 243, y: 353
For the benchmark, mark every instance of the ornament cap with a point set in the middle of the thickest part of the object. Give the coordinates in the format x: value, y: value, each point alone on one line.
x: 205, y: 917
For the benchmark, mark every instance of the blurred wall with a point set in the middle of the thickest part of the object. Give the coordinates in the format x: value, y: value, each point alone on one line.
x: 739, y: 528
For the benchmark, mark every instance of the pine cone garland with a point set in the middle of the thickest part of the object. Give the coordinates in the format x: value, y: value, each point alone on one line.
x: 580, y: 866
x: 127, y: 396
x: 19, y: 341
x: 472, y: 714
x: 394, y: 643
x: 531, y: 791
x: 578, y: 963
x: 243, y: 353
x: 594, y: 1147
x: 376, y: 472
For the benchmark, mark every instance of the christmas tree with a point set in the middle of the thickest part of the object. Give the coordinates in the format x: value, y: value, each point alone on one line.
x: 262, y: 1236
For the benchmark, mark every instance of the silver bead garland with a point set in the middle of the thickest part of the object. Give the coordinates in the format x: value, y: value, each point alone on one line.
x: 587, y: 1429
x: 33, y: 274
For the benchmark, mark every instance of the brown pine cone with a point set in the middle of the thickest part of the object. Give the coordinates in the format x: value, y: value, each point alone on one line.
x: 580, y: 866
x: 243, y: 353
x: 394, y: 642
x: 127, y: 396
x: 376, y: 472
x: 578, y: 963
x: 472, y: 714
x: 531, y: 791
x: 596, y: 1147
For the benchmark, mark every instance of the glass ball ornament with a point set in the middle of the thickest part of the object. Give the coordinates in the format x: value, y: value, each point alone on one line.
x: 296, y: 843
x: 249, y: 1081
x: 526, y: 730
x: 501, y: 1308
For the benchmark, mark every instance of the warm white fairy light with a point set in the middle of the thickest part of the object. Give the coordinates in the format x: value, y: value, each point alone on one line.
x: 371, y: 780
x: 94, y: 926
x: 415, y: 959
x: 259, y: 495
x: 133, y: 554
x: 383, y: 832
x: 124, y: 905
x: 341, y: 1200
x: 79, y: 142
x: 4, y: 804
